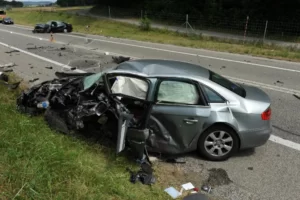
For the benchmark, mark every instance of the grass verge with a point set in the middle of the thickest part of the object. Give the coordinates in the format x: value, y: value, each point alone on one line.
x: 124, y: 30
x: 36, y: 163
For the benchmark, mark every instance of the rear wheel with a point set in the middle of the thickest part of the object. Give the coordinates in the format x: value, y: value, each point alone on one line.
x: 218, y: 143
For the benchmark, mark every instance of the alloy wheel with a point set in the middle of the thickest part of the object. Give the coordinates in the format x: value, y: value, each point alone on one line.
x: 218, y: 143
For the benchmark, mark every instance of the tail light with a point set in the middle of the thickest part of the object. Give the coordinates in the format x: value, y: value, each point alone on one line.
x: 266, y: 115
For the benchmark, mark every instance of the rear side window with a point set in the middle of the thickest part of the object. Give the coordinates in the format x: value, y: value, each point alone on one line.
x: 178, y: 92
x: 237, y: 89
x: 60, y: 24
x: 212, y: 96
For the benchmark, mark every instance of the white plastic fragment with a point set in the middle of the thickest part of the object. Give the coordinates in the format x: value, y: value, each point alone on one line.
x: 172, y: 192
x: 188, y: 186
x: 7, y: 65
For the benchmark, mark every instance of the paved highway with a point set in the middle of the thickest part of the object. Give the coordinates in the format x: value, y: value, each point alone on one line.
x: 268, y: 172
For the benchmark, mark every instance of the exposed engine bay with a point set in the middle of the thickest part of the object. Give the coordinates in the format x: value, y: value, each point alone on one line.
x: 69, y: 105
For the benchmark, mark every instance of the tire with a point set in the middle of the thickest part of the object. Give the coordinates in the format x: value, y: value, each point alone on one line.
x: 222, y: 147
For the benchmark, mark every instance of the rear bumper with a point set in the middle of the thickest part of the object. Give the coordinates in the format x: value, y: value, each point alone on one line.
x: 255, y: 138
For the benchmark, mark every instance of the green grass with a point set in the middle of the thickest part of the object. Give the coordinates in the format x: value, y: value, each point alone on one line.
x: 123, y: 30
x: 51, y: 8
x: 37, y: 163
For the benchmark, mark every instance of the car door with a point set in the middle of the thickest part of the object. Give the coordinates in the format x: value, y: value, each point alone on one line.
x: 54, y: 26
x: 128, y: 91
x: 181, y: 109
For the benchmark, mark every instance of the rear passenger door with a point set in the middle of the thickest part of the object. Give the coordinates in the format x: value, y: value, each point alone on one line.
x: 180, y: 107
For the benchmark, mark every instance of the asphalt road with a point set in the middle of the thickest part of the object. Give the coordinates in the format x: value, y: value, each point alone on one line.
x: 268, y: 172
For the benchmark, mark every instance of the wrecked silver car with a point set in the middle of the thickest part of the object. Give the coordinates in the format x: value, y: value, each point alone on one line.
x: 161, y: 106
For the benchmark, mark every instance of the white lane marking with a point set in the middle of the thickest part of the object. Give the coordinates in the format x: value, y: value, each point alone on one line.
x: 273, y: 138
x: 285, y: 142
x: 41, y: 58
x: 184, y: 53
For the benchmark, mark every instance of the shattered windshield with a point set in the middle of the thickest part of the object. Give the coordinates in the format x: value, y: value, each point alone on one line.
x: 92, y: 79
x: 237, y: 89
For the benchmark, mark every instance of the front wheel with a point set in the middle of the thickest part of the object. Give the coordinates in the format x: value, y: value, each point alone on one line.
x: 218, y: 143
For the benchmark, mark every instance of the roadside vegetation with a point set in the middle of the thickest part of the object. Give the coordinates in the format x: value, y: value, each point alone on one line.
x: 37, y: 163
x: 123, y: 30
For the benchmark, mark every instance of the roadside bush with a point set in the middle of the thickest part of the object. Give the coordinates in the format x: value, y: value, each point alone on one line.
x: 145, y: 24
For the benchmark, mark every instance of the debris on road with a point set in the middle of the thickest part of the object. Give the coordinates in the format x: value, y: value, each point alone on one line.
x: 145, y: 175
x: 188, y: 190
x: 4, y: 81
x: 50, y: 67
x: 223, y: 67
x: 120, y: 59
x: 188, y: 186
x: 280, y: 82
x: 35, y: 47
x: 8, y: 70
x: 33, y: 80
x: 250, y: 168
x: 11, y: 86
x: 298, y: 97
x: 3, y: 77
x: 73, y: 68
x: 63, y: 48
x: 12, y: 51
x: 8, y: 65
x: 206, y: 188
x: 173, y: 192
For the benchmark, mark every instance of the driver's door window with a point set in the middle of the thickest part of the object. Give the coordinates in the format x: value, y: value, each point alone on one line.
x: 129, y: 86
x: 54, y: 24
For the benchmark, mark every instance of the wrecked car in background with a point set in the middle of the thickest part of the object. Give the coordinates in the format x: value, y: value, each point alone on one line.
x: 161, y: 106
x: 7, y: 20
x: 54, y: 27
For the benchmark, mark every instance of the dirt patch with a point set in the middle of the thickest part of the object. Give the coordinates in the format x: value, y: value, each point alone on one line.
x: 217, y: 177
x: 174, y: 175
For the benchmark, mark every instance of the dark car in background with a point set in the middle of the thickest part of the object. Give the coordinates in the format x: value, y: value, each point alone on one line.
x: 54, y: 27
x: 7, y: 20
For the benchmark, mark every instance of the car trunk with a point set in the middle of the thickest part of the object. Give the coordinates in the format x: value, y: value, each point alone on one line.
x: 257, y: 101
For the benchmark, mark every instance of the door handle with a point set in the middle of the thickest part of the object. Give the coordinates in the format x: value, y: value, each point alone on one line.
x: 190, y: 121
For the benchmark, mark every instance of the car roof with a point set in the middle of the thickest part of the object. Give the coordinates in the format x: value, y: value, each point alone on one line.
x: 157, y: 67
